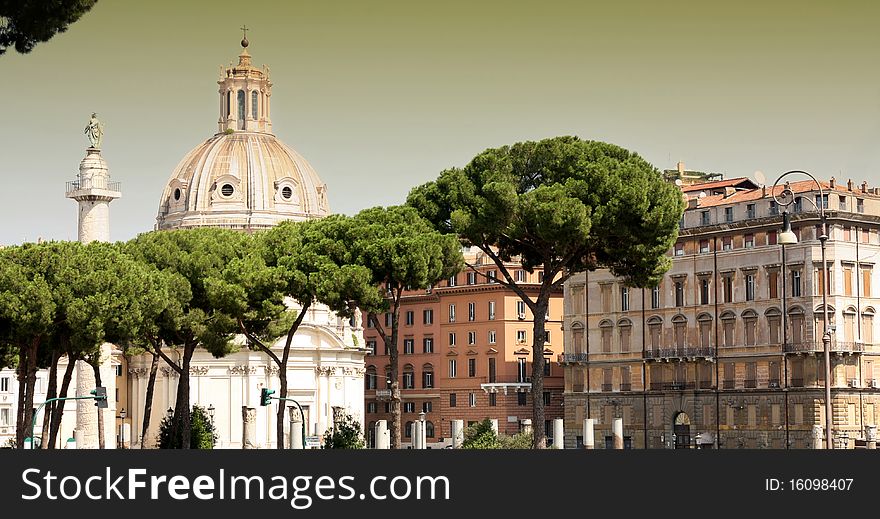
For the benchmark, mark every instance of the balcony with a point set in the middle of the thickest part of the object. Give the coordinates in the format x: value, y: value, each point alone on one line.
x: 95, y: 183
x: 383, y: 394
x: 607, y: 387
x: 671, y: 386
x: 797, y: 382
x: 750, y: 383
x: 626, y: 387
x: 572, y: 358
x: 818, y: 347
x: 680, y: 352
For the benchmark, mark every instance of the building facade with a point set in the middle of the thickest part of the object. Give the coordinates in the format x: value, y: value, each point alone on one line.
x: 726, y: 352
x: 465, y: 351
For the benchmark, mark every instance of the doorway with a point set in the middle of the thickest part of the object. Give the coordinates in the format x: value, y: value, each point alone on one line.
x: 681, y: 429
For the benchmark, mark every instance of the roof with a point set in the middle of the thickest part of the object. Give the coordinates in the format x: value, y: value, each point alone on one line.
x: 741, y: 182
x: 803, y: 186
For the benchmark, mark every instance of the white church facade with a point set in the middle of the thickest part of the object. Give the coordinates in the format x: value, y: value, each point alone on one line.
x: 242, y: 178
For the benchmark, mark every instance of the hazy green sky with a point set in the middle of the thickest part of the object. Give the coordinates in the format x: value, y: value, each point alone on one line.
x: 381, y: 96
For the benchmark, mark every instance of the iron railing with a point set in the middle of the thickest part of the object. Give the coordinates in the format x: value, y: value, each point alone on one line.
x: 818, y: 347
x: 679, y: 352
x: 572, y: 358
x: 93, y: 183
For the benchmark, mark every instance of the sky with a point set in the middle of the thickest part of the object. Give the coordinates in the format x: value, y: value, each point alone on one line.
x: 380, y: 96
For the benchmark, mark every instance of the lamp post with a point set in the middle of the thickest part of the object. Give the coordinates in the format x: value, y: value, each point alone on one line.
x: 122, y: 415
x: 787, y: 237
x: 211, y: 411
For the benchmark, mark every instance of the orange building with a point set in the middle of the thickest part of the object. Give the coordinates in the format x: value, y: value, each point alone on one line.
x: 465, y: 354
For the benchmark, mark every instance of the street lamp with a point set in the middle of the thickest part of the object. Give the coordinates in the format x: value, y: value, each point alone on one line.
x: 211, y: 411
x: 787, y: 237
x: 170, y: 413
x: 122, y: 415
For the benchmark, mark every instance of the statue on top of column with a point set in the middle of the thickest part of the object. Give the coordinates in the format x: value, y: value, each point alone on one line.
x: 95, y: 131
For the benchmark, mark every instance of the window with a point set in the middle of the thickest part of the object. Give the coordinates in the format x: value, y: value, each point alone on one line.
x: 774, y: 209
x: 428, y: 317
x: 772, y: 237
x: 491, y: 276
x: 866, y: 282
x: 847, y: 280
x: 679, y: 249
x: 428, y: 377
x: 751, y: 212
x: 624, y: 299
x: 727, y: 323
x: 452, y: 338
x: 679, y: 330
x: 773, y: 284
x: 521, y: 336
x: 795, y: 283
x: 679, y: 293
x: 704, y: 246
x: 410, y: 318
x: 387, y: 319
x: 491, y: 310
x: 625, y: 330
x: 118, y: 370
x: 4, y: 416
x: 253, y: 104
x: 546, y: 366
x: 704, y: 217
x: 472, y: 399
x: 521, y: 309
x: 409, y: 378
x: 493, y: 399
x: 472, y: 367
x: 520, y: 276
x: 798, y: 205
x: 491, y: 369
x: 749, y: 241
x: 452, y: 368
x: 521, y: 370
x: 860, y: 205
x: 387, y: 407
x: 704, y: 291
x: 546, y: 398
x: 409, y: 407
x: 751, y: 374
x: 471, y: 278
x: 607, y: 379
x: 540, y: 276
x: 472, y: 338
x: 472, y: 311
x: 242, y: 111
x: 521, y: 398
x: 428, y: 345
x: 491, y: 336
x: 750, y: 327
x: 728, y: 214
x: 655, y: 297
x: 727, y: 284
x: 370, y: 378
x: 4, y: 385
x: 606, y: 336
x: 750, y: 287
x: 842, y: 204
x: 451, y: 282
x: 452, y: 399
x: 452, y: 313
x: 727, y: 243
x: 866, y: 235
x: 427, y: 407
x: 409, y: 346
x: 822, y: 201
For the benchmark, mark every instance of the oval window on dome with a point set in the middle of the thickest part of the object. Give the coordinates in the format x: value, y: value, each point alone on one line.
x: 227, y: 190
x: 286, y: 192
x: 177, y: 194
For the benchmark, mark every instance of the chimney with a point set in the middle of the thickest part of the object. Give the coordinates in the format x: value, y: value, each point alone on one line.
x: 680, y: 166
x: 864, y: 186
x: 831, y: 183
x: 763, y: 191
x: 849, y: 185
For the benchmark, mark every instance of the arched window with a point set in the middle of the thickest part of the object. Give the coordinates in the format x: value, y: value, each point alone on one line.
x: 577, y: 338
x: 728, y: 321
x: 796, y: 318
x: 750, y: 327
x: 655, y: 330
x: 242, y: 111
x: 774, y: 317
x: 409, y: 380
x: 429, y: 429
x: 254, y: 96
x: 679, y: 330
x: 228, y: 103
x: 868, y: 326
x: 624, y: 328
x: 370, y: 378
x: 849, y: 324
x: 705, y: 323
x: 605, y: 331
x: 427, y: 376
x: 819, y: 321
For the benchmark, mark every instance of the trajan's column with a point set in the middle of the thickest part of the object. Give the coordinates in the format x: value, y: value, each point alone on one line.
x: 94, y: 191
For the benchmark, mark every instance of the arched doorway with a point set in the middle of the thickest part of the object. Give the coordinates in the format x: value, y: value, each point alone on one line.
x: 681, y: 429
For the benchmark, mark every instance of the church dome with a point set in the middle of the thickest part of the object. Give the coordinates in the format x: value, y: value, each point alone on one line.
x: 243, y: 177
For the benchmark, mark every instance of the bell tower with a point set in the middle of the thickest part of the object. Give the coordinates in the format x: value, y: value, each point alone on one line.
x: 245, y: 93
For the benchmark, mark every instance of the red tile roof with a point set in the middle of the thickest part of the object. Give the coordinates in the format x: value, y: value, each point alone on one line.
x: 718, y: 184
x: 804, y: 186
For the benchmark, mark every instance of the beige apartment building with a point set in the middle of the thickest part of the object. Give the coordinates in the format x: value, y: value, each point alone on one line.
x: 726, y: 352
x: 465, y: 350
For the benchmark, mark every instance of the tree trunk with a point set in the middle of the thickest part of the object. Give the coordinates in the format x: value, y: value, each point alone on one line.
x: 181, y: 426
x: 58, y: 407
x: 282, y: 405
x: 539, y: 440
x: 27, y: 383
x: 51, y: 388
x: 21, y: 424
x: 148, y: 400
x: 395, y: 385
x: 96, y: 367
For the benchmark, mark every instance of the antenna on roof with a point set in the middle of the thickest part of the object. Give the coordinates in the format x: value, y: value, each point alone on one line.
x: 760, y: 178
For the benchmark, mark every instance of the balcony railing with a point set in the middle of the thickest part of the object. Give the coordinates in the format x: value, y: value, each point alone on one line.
x: 750, y: 383
x: 680, y: 352
x: 818, y: 347
x: 572, y: 358
x: 606, y: 387
x: 672, y: 386
x: 94, y: 183
x: 383, y: 394
x: 626, y: 387
x: 797, y: 382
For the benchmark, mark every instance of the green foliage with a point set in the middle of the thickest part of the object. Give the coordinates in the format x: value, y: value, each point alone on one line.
x: 562, y: 203
x: 481, y: 436
x: 228, y: 131
x: 202, y: 432
x: 24, y: 23
x: 347, y: 435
